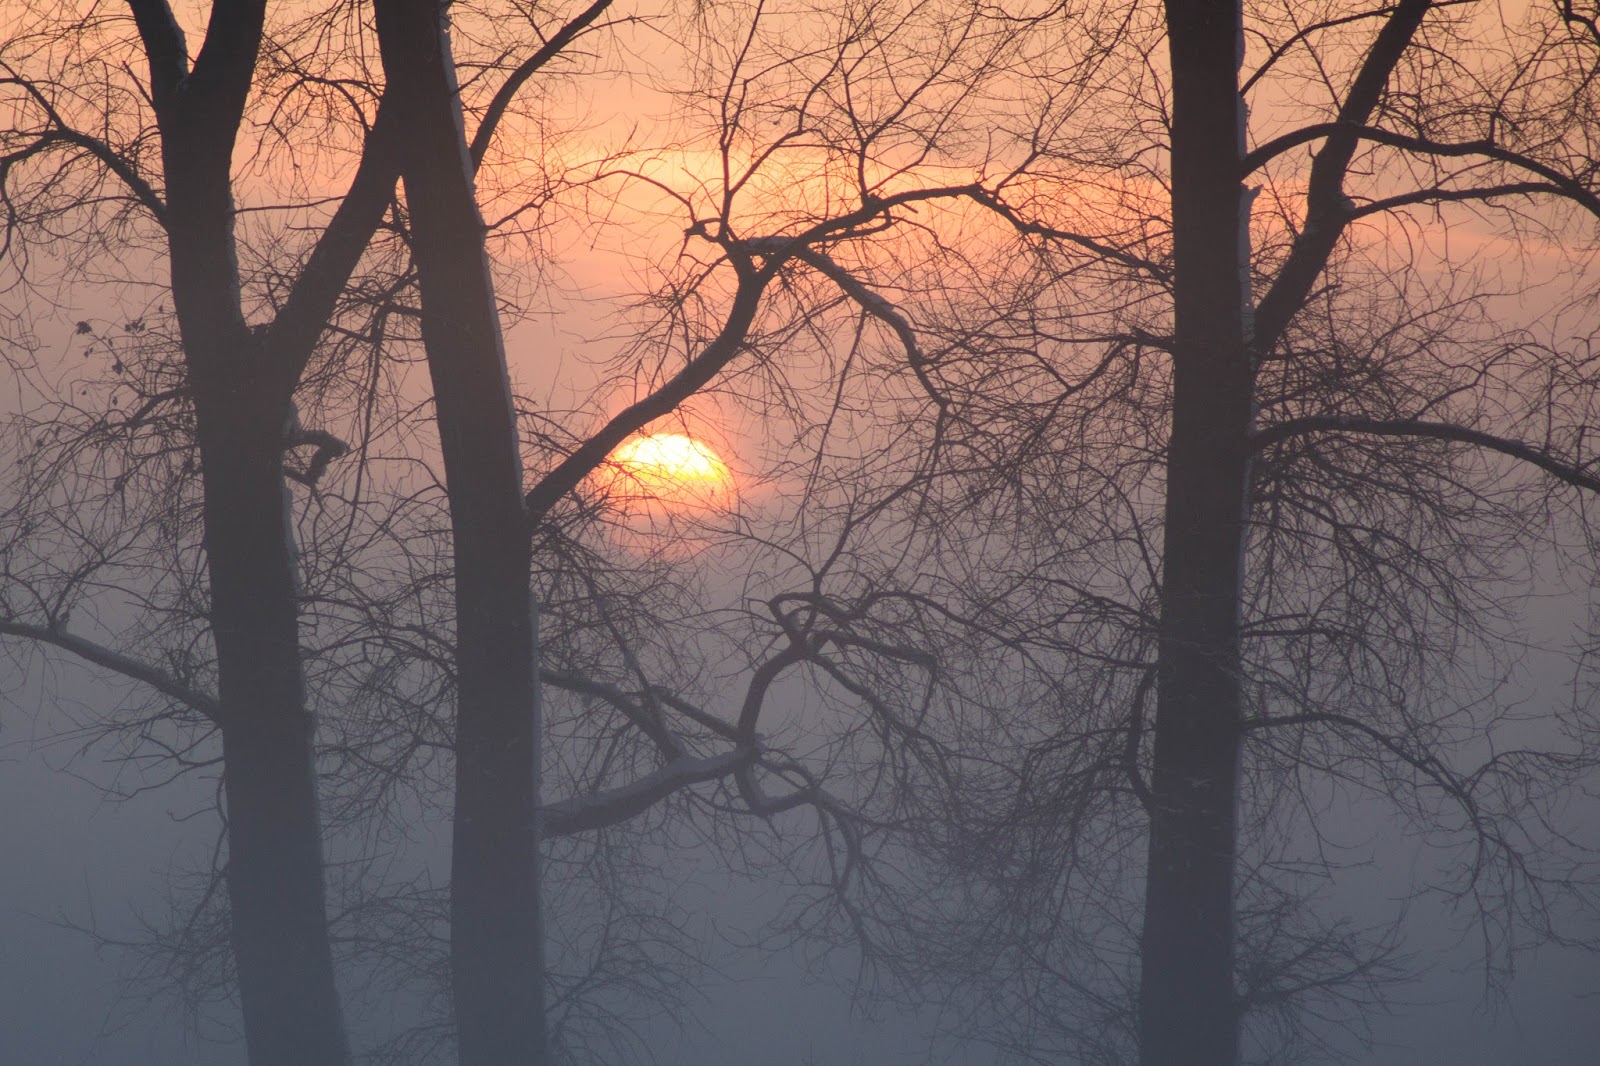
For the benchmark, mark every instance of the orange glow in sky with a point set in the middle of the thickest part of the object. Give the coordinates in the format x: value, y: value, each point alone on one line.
x: 671, y: 468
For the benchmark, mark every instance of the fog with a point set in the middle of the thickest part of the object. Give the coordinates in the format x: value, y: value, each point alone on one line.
x: 72, y: 858
x: 79, y: 860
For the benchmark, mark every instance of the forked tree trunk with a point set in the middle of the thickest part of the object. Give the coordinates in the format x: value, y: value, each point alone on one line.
x: 242, y: 402
x: 495, y: 911
x: 1188, y: 1015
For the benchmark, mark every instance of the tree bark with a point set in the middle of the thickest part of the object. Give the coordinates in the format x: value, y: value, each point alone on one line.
x: 497, y: 936
x: 1187, y: 1013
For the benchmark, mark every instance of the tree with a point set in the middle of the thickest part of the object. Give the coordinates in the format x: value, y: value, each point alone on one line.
x: 1024, y: 358
x: 1187, y: 1008
x: 496, y: 897
x: 498, y: 977
x: 239, y: 381
x: 1189, y: 339
x: 1260, y: 488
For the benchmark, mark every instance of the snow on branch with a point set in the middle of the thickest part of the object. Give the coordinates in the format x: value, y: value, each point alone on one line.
x: 115, y: 661
x: 614, y: 805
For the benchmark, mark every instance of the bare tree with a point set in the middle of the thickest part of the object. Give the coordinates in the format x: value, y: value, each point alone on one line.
x: 496, y: 909
x: 239, y: 379
x: 1086, y: 546
x: 1187, y: 1004
x: 1247, y: 503
x: 498, y: 977
x: 1251, y: 398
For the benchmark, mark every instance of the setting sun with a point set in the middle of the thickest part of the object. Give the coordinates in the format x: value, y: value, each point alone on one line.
x: 671, y: 468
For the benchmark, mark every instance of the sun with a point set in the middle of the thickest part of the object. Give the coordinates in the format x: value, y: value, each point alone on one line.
x: 671, y: 468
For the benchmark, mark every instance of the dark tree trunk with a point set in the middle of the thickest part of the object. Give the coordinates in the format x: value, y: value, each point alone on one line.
x: 1188, y: 1016
x: 275, y: 887
x: 242, y: 382
x: 242, y: 403
x: 496, y: 925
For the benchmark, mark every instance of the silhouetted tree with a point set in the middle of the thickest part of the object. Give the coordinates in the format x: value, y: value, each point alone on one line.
x: 1083, y: 536
x: 1188, y: 1010
x: 490, y: 667
x: 239, y: 379
x: 1153, y: 362
x: 1234, y: 495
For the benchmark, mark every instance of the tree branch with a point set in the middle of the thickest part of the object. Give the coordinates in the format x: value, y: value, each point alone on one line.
x: 666, y: 742
x: 131, y: 668
x: 615, y: 805
x: 1038, y: 229
x: 219, y: 82
x: 1281, y: 50
x: 1326, y: 212
x: 700, y: 370
x: 1439, y: 196
x: 142, y: 190
x: 1562, y: 471
x: 304, y: 315
x: 1570, y: 16
x: 164, y: 48
x: 884, y: 311
x: 1573, y: 190
x: 60, y: 132
x: 774, y: 251
x: 515, y: 80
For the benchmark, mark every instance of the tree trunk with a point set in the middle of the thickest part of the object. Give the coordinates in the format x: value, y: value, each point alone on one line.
x: 1187, y: 1014
x: 278, y: 915
x: 497, y: 936
x: 275, y: 887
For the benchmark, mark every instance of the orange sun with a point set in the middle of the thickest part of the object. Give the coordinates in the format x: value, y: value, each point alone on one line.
x: 670, y: 468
